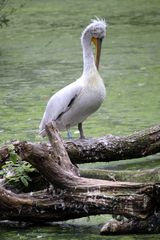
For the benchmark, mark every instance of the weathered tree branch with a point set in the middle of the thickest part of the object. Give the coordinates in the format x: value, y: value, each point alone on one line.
x: 112, y: 148
x: 56, y: 166
x: 74, y: 196
x: 66, y: 204
x: 107, y: 148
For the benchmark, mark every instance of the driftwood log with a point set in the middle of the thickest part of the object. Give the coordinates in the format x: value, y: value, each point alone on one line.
x: 113, y: 148
x: 107, y: 148
x: 73, y: 196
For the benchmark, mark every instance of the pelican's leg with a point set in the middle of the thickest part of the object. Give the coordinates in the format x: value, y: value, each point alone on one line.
x: 69, y: 134
x: 81, y: 131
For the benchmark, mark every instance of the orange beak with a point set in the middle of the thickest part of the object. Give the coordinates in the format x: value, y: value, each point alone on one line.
x: 98, y: 43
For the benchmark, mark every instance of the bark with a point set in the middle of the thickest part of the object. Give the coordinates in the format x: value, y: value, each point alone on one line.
x: 112, y: 148
x: 107, y: 148
x: 61, y: 205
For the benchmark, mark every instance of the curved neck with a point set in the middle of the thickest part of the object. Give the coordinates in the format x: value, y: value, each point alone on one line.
x: 88, y: 57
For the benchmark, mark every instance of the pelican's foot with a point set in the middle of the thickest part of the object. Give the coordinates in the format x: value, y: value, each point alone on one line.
x: 82, y: 137
x: 69, y: 134
x: 81, y: 134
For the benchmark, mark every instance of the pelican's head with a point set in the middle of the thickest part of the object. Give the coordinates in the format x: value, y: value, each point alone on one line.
x: 95, y: 32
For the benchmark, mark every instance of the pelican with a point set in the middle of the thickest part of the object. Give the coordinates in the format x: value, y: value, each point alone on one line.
x: 74, y: 103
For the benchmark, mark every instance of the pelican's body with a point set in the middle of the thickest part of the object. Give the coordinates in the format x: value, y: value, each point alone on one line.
x: 74, y: 103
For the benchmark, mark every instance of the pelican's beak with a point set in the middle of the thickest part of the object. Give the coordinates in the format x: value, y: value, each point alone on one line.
x: 97, y: 42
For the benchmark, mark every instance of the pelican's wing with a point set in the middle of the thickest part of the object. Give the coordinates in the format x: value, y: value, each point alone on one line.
x: 59, y: 103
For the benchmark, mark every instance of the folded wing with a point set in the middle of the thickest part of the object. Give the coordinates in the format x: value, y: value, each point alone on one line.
x: 58, y: 104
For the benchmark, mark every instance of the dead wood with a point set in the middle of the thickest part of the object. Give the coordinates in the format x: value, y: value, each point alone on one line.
x: 105, y: 149
x: 112, y: 148
x: 62, y: 205
x: 56, y: 166
x: 149, y: 225
x: 73, y: 196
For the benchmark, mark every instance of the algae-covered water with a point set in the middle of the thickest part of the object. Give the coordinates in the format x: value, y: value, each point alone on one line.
x: 65, y: 231
x: 40, y: 53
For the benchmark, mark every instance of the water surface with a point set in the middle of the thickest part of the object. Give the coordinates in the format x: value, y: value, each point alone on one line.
x: 40, y: 53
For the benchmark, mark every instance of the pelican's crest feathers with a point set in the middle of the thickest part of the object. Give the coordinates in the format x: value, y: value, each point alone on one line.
x: 94, y: 27
x: 99, y: 20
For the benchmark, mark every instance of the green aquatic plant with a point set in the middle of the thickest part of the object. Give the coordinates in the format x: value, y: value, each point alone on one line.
x: 15, y: 171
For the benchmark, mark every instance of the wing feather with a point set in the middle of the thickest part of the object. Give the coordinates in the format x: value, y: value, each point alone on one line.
x: 59, y: 103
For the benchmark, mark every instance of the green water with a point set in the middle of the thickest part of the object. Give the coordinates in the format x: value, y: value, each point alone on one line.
x: 66, y: 231
x: 40, y: 53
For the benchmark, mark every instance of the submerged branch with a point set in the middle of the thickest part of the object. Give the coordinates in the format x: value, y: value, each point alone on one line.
x: 149, y: 225
x: 148, y: 175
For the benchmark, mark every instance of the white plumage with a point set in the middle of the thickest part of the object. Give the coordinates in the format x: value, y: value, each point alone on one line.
x: 74, y: 103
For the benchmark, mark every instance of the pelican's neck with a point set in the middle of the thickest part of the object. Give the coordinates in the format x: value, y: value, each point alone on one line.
x: 88, y: 57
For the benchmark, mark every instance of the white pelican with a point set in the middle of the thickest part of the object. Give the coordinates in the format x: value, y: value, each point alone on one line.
x: 75, y: 102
